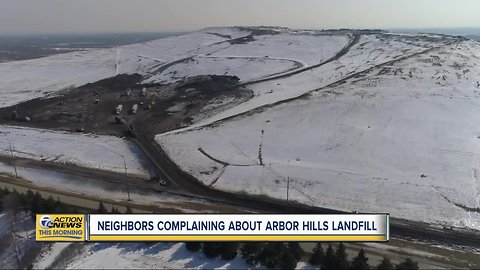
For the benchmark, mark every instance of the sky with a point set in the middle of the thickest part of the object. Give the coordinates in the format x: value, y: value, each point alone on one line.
x: 94, y: 16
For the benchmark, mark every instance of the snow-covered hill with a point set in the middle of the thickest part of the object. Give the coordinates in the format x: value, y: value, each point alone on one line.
x: 86, y: 150
x: 388, y: 127
x: 208, y: 51
x: 363, y: 121
x: 134, y: 256
x: 28, y: 79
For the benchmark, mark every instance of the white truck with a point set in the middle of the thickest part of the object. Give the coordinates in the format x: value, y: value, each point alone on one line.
x: 118, y: 109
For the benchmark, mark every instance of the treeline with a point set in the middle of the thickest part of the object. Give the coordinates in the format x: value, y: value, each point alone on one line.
x: 101, y: 209
x: 337, y: 259
x: 286, y: 255
x: 34, y: 203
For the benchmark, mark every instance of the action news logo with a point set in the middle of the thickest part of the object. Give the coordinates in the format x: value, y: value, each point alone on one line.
x: 60, y: 227
x: 62, y: 222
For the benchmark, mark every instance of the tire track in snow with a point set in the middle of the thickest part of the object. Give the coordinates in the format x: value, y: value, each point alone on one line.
x: 214, y: 181
x: 223, y: 162
x: 464, y: 207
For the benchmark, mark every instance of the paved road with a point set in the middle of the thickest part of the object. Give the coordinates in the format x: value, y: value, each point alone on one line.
x: 104, y: 182
x: 82, y: 201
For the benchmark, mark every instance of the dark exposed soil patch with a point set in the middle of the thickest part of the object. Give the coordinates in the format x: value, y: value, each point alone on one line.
x: 92, y: 108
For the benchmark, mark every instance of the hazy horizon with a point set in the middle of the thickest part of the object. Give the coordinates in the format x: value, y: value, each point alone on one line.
x: 474, y: 31
x: 147, y: 16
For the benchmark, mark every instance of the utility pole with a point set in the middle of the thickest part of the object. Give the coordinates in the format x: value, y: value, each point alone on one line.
x: 260, y: 159
x: 128, y: 187
x: 288, y: 186
x: 13, y: 160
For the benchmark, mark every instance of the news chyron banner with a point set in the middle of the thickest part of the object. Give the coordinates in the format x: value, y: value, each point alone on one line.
x: 214, y: 227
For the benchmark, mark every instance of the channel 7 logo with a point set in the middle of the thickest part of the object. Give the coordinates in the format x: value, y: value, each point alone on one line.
x: 46, y: 222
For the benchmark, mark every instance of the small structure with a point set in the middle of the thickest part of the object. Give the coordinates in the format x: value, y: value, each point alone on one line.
x: 118, y: 109
x: 134, y: 109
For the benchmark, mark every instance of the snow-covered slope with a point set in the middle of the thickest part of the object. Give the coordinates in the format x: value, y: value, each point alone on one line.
x: 24, y: 80
x: 246, y: 68
x: 135, y: 256
x: 392, y: 128
x: 209, y: 51
x: 369, y: 52
x: 307, y: 49
x: 219, y: 51
x: 86, y: 150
